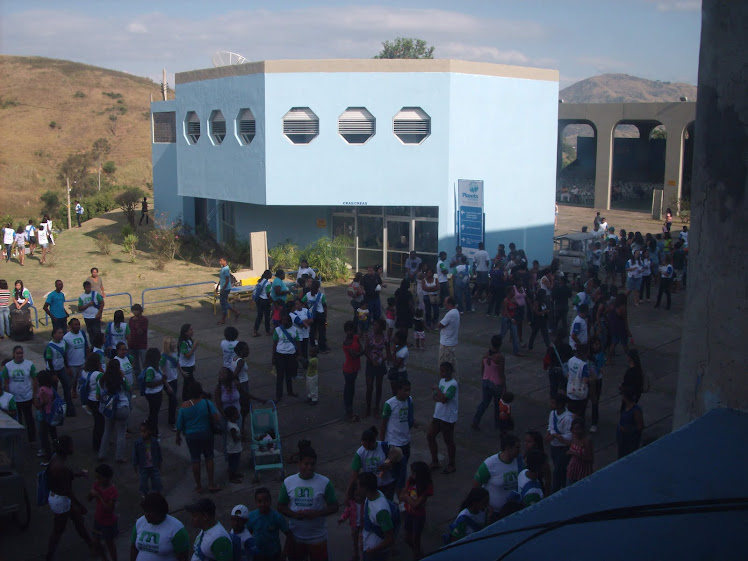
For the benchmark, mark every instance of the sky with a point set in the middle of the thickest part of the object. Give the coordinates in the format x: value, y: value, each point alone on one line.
x: 654, y: 39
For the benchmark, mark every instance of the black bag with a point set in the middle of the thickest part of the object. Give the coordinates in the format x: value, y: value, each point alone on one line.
x: 20, y: 324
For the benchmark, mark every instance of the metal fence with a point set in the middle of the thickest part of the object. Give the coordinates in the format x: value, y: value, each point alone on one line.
x: 190, y: 297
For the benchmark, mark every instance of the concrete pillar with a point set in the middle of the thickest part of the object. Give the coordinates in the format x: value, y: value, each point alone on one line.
x: 559, y: 146
x: 714, y: 353
x: 603, y: 163
x: 673, y: 165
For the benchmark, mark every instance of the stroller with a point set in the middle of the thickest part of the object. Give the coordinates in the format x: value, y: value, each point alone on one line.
x: 265, y: 440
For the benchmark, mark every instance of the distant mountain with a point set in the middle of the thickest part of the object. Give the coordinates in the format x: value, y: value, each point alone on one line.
x: 622, y: 88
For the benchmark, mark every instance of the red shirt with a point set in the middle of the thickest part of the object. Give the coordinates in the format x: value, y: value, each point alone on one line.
x: 103, y: 516
x: 139, y: 332
x: 410, y: 488
x: 352, y: 364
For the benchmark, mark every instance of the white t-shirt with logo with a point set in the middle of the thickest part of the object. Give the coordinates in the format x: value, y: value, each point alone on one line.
x: 76, y: 347
x: 9, y: 235
x: 578, y: 328
x: 378, y: 513
x: 205, y: 540
x: 159, y: 542
x: 125, y: 366
x: 227, y: 348
x: 398, y: 428
x: 369, y: 461
x: 91, y: 311
x: 93, y: 379
x: 499, y: 479
x: 20, y: 377
x: 447, y: 412
x: 576, y: 388
x: 451, y: 323
x: 41, y: 236
x: 307, y: 494
x: 481, y: 260
x: 298, y: 317
x: 442, y: 270
x: 285, y: 345
x: 244, y: 372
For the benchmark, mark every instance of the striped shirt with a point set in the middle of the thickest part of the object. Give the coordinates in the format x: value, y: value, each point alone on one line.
x: 4, y: 298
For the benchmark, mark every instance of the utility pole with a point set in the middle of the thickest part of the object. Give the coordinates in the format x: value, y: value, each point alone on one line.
x: 70, y: 222
x: 164, y: 87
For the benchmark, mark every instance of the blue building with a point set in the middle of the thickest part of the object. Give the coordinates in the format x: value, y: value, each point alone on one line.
x: 371, y: 149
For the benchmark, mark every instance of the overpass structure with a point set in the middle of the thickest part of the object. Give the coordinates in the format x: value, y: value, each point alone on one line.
x: 605, y: 117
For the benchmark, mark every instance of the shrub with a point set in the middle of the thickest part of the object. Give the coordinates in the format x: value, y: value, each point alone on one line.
x: 130, y: 246
x: 328, y: 256
x: 53, y: 124
x: 128, y: 201
x: 126, y: 230
x: 98, y: 203
x: 165, y: 240
x: 79, y: 94
x: 285, y: 255
x: 103, y: 243
x: 109, y: 167
x: 207, y: 258
x: 50, y: 202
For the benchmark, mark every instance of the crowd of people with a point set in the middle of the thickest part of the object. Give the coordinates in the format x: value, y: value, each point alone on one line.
x: 27, y: 238
x: 106, y: 367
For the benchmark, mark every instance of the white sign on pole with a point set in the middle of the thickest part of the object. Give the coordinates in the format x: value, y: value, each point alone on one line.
x: 469, y: 215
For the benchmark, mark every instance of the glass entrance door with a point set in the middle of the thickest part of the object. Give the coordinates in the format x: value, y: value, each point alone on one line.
x: 398, y: 247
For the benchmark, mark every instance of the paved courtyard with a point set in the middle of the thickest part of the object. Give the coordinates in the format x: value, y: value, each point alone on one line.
x: 656, y: 332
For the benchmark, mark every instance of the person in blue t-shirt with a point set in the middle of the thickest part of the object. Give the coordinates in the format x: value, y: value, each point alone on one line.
x: 54, y: 306
x: 265, y: 524
x: 224, y: 288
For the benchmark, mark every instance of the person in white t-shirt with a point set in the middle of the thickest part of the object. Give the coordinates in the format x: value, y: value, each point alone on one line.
x: 482, y: 262
x: 213, y: 543
x: 304, y: 269
x: 9, y: 236
x: 158, y: 536
x: 578, y: 333
x: 442, y: 272
x: 43, y: 239
x: 239, y: 519
x: 578, y: 384
x: 378, y: 534
x: 634, y: 277
x: 446, y: 397
x: 559, y: 436
x: 397, y: 420
x: 20, y: 243
x: 449, y: 328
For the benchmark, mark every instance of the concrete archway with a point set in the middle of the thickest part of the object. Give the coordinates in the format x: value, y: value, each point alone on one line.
x: 576, y: 161
x: 638, y: 166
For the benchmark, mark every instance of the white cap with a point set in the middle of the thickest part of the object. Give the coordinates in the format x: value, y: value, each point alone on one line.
x: 241, y: 511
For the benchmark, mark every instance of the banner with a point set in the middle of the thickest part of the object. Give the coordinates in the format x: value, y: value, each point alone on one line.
x: 470, y: 215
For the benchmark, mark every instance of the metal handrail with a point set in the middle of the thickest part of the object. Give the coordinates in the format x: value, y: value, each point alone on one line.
x: 142, y: 295
x: 107, y: 297
x: 36, y: 316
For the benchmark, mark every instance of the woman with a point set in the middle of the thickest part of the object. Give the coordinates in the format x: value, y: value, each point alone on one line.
x: 155, y: 384
x: 495, y: 288
x: 157, y: 534
x: 634, y: 277
x: 508, y: 319
x: 196, y: 419
x: 125, y: 364
x: 62, y: 501
x: 285, y: 356
x: 404, y: 307
x: 114, y: 387
x: 356, y: 294
x: 668, y: 219
x: 377, y: 352
x: 117, y: 332
x: 582, y: 453
x: 186, y: 348
x: 352, y: 364
x: 534, y: 441
x: 22, y: 296
x: 4, y: 309
x: 633, y: 379
x: 20, y: 243
x: 263, y: 303
x: 19, y: 379
x: 430, y: 288
x: 666, y: 280
x: 97, y: 283
x: 646, y: 285
x: 91, y: 377
x: 371, y: 457
x: 630, y: 424
x: 540, y: 319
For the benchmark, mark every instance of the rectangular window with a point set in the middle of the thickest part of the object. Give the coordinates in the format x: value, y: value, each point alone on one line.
x: 165, y: 127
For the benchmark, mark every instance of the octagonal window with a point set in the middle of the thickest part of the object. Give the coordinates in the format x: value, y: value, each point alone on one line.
x: 356, y: 125
x: 192, y: 127
x: 412, y: 125
x: 300, y: 125
x: 217, y: 125
x: 245, y: 126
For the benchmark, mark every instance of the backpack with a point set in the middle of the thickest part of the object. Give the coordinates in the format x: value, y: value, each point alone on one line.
x: 108, y: 404
x: 141, y: 382
x: 56, y: 415
x: 370, y: 526
x: 463, y: 276
x: 42, y: 487
x: 84, y: 383
x: 259, y: 287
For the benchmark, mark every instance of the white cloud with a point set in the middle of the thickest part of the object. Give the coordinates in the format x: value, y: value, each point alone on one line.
x: 604, y: 64
x: 136, y: 27
x: 482, y: 53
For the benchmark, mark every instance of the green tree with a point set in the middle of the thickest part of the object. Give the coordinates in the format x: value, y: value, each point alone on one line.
x: 406, y: 47
x: 128, y: 201
x: 109, y: 168
x: 99, y: 151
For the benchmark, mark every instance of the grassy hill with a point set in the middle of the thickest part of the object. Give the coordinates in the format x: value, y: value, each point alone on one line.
x: 51, y: 108
x: 622, y: 88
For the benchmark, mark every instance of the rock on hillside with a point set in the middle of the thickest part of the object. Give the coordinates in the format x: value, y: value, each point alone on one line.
x: 622, y: 88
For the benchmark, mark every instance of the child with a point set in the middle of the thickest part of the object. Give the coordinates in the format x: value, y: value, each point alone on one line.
x: 170, y: 368
x: 506, y: 422
x: 8, y: 403
x: 417, y: 489
x: 117, y: 331
x: 312, y: 372
x: 581, y: 452
x: 146, y: 460
x: 394, y: 457
x: 362, y: 317
x: 597, y: 360
x: 529, y: 484
x: 97, y: 342
x: 277, y: 312
x: 472, y: 517
x: 105, y: 520
x: 233, y: 443
x: 46, y: 396
x: 354, y: 513
x: 390, y: 315
x: 264, y: 523
x: 418, y: 330
x: 230, y: 336
x: 445, y: 417
x: 239, y: 518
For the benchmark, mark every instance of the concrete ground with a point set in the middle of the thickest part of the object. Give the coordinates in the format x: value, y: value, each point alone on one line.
x: 657, y: 336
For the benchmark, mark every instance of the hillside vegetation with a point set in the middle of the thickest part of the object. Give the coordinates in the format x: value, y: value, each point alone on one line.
x: 622, y: 88
x: 50, y: 109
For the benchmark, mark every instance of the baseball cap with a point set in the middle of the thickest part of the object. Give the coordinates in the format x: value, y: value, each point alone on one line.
x: 240, y: 511
x: 204, y: 506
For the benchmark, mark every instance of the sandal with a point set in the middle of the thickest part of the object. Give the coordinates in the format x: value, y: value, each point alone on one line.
x: 449, y: 469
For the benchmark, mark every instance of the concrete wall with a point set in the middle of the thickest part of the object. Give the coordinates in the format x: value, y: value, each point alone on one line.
x: 164, y: 161
x: 295, y: 223
x: 713, y: 351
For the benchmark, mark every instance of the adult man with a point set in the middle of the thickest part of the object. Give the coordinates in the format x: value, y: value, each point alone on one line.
x: 9, y: 236
x: 412, y: 264
x: 213, y: 542
x: 54, y: 307
x: 144, y: 212
x: 278, y: 290
x: 498, y: 474
x: 441, y: 274
x: 449, y: 328
x: 78, y: 212
x: 482, y: 264
x: 92, y: 305
x: 559, y: 435
x: 224, y: 288
x: 457, y: 257
x: 137, y: 343
x: 369, y: 283
x: 77, y: 349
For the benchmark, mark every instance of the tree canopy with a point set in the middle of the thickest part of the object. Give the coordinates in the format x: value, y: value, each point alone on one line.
x: 406, y: 47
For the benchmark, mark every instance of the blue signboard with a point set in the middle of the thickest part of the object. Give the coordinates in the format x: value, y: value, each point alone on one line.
x: 470, y: 215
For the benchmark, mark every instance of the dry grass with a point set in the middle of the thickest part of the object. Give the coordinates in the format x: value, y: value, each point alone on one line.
x: 36, y: 91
